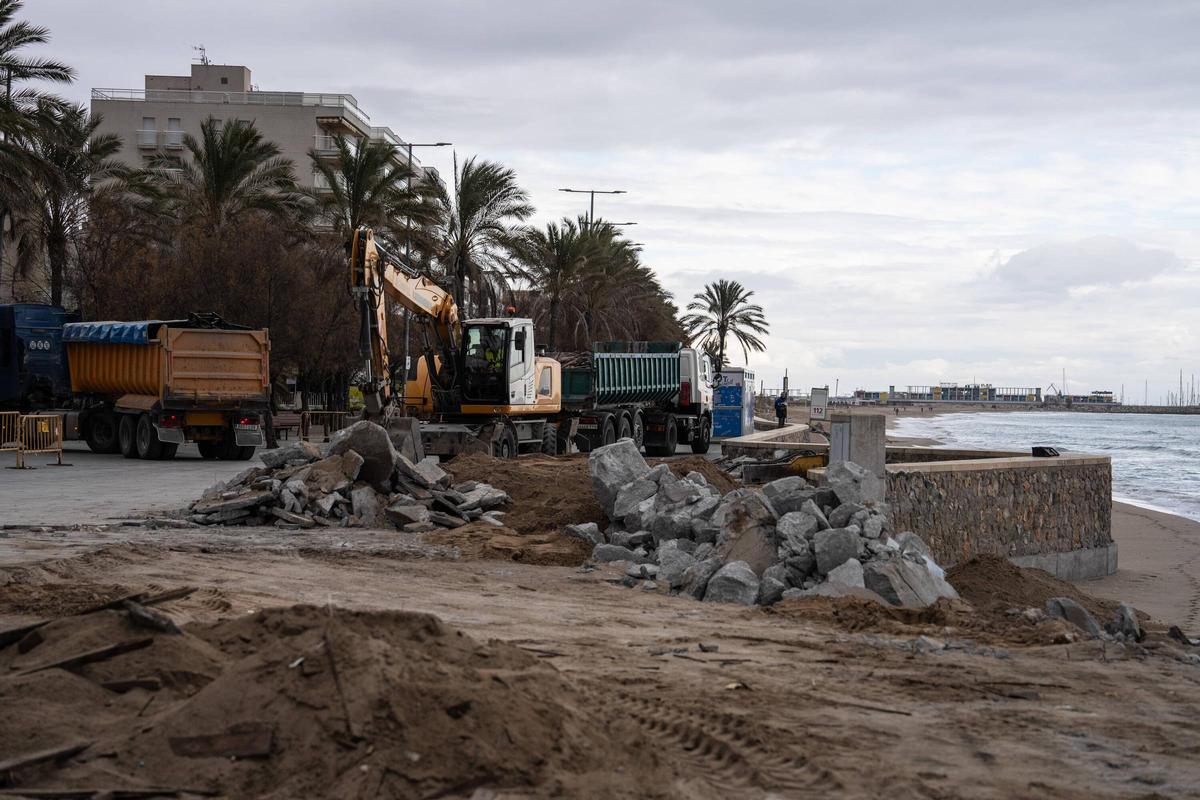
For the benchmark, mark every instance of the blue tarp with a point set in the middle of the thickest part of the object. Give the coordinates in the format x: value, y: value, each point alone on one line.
x: 114, y: 332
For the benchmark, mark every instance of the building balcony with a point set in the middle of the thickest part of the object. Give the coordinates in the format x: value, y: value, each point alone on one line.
x: 172, y: 140
x: 147, y: 140
x: 325, y: 145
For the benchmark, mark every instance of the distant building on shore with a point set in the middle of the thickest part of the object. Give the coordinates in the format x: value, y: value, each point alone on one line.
x: 153, y: 120
x: 979, y: 393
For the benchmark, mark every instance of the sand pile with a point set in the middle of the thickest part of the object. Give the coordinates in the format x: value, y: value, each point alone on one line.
x: 993, y: 583
x: 305, y: 702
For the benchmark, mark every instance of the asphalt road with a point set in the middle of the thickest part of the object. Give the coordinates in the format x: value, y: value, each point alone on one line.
x: 97, y: 489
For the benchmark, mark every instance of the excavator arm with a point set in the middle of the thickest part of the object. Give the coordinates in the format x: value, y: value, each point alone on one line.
x: 376, y: 274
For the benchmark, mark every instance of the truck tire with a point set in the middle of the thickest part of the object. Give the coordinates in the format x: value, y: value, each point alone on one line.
x: 702, y: 438
x: 101, y: 434
x: 639, y: 429
x: 209, y: 450
x: 127, y: 435
x: 608, y: 430
x: 230, y: 450
x: 148, y: 445
x: 550, y: 439
x: 624, y: 426
x: 671, y: 437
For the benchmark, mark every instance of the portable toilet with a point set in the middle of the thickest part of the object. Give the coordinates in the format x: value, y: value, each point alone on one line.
x: 733, y: 403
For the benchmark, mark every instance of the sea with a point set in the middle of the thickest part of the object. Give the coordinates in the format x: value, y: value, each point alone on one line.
x: 1155, y: 457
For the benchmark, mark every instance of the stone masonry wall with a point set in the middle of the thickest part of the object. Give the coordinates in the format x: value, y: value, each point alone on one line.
x: 1016, y: 511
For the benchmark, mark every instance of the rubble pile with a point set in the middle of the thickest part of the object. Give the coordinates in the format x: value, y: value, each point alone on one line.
x: 790, y: 540
x: 368, y: 479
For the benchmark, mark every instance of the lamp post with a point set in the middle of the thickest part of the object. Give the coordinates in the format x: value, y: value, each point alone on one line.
x: 408, y: 248
x: 592, y: 195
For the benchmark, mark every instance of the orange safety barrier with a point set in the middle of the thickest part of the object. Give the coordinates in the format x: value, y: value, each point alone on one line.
x: 9, y: 437
x: 329, y: 421
x: 39, y: 433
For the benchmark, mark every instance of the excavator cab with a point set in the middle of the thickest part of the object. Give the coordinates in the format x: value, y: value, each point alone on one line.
x: 498, y: 362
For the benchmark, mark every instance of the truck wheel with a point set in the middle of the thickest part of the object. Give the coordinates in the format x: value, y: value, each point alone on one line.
x: 231, y: 451
x: 209, y: 450
x: 671, y: 438
x: 101, y: 434
x: 506, y: 446
x: 639, y: 429
x: 127, y: 435
x: 702, y: 438
x: 625, y: 427
x: 148, y: 445
x: 608, y: 431
x: 550, y: 439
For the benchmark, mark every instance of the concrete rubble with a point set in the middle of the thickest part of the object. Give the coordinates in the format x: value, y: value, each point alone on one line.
x: 367, y: 480
x: 750, y: 547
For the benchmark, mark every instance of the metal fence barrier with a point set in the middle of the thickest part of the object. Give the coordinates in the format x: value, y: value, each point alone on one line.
x: 9, y: 427
x: 35, y: 433
x: 329, y: 421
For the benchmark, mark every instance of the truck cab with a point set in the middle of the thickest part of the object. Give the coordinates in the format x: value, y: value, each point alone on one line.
x: 695, y: 382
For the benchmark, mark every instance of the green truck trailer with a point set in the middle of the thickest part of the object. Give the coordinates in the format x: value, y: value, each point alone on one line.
x: 657, y: 393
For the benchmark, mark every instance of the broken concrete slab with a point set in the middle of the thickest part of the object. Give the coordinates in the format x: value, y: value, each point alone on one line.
x: 587, y: 531
x: 850, y: 573
x: 788, y: 494
x: 854, y: 484
x: 1125, y: 623
x: 300, y: 520
x: 736, y: 582
x: 1077, y: 615
x: 404, y: 514
x: 405, y: 433
x: 371, y: 442
x: 605, y: 553
x: 612, y: 467
x: 747, y: 530
x: 673, y: 563
x: 631, y: 495
x: 697, y: 576
x: 834, y: 547
x: 902, y: 582
x: 843, y: 514
x: 245, y: 500
x: 811, y: 508
x: 295, y: 451
x: 367, y: 505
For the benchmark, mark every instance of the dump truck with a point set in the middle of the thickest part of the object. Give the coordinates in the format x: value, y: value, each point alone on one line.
x: 657, y: 393
x: 144, y: 388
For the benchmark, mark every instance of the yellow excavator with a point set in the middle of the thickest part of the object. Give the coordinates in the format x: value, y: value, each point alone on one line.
x: 479, y: 385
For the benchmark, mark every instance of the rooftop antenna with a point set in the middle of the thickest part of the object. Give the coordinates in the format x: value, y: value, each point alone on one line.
x: 199, y: 48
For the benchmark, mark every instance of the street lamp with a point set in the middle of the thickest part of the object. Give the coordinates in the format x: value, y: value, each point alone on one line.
x: 407, y: 249
x: 592, y: 194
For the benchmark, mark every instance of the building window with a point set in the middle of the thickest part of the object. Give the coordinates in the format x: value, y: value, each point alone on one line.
x: 174, y: 135
x: 147, y: 135
x: 224, y: 81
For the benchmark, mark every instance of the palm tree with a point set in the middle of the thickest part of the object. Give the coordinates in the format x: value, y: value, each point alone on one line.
x: 368, y: 185
x: 55, y: 208
x: 19, y: 166
x: 614, y: 265
x: 554, y: 261
x: 721, y: 310
x: 230, y: 170
x: 474, y: 233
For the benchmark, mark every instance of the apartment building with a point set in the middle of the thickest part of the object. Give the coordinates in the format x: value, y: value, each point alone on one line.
x: 154, y: 119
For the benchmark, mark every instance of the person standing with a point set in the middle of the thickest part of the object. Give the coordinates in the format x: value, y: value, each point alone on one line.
x: 781, y: 408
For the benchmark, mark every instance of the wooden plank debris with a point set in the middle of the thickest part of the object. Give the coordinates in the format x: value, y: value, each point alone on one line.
x: 252, y: 742
x: 100, y: 654
x: 40, y: 756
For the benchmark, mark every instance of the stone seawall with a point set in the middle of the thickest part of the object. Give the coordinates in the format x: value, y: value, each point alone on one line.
x: 1023, y: 508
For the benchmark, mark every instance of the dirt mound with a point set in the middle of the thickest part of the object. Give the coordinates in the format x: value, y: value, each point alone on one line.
x: 482, y: 541
x: 314, y: 702
x: 993, y: 583
x: 41, y: 600
x: 716, y: 476
x: 548, y: 492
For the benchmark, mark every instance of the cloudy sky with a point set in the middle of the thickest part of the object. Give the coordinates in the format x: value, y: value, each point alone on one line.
x: 916, y: 192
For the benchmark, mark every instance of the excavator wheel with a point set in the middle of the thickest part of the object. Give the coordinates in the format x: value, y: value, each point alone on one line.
x: 549, y: 439
x: 505, y: 444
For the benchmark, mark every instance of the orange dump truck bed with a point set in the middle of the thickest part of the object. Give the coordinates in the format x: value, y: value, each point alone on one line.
x: 175, y: 365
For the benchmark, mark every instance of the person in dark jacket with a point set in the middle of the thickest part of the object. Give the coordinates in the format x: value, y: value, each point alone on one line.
x: 781, y: 408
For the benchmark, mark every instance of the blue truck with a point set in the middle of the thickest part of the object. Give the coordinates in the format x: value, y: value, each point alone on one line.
x: 33, y: 364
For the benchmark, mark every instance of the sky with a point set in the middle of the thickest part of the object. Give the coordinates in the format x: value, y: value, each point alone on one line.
x: 916, y: 192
